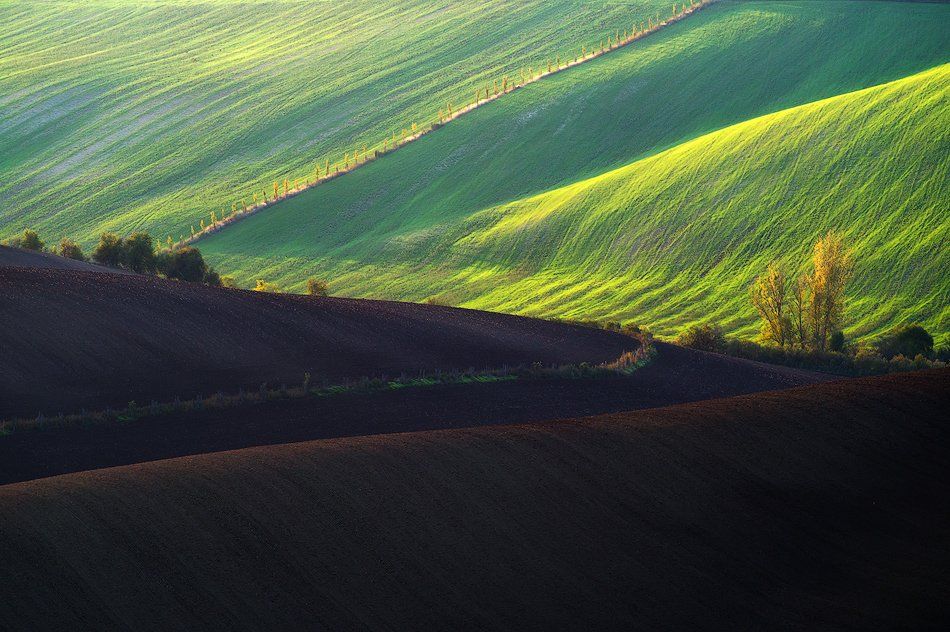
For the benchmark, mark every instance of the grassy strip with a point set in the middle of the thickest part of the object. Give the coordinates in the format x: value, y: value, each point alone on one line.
x: 626, y: 364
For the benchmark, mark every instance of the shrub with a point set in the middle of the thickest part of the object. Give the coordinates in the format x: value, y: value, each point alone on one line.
x: 316, y: 287
x: 708, y: 337
x: 264, y: 286
x: 30, y: 240
x: 138, y: 253
x: 212, y: 278
x: 71, y: 250
x: 228, y: 281
x: 109, y: 250
x: 184, y: 264
x: 908, y: 341
x: 836, y: 342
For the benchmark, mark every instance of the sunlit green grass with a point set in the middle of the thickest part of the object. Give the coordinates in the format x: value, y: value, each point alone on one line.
x: 123, y: 114
x: 537, y: 204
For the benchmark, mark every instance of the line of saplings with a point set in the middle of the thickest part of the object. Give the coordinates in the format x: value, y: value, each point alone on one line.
x: 802, y: 322
x: 135, y: 253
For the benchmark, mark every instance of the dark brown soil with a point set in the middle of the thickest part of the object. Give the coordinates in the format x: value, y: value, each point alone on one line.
x: 823, y: 507
x: 20, y: 258
x: 677, y: 375
x: 73, y: 340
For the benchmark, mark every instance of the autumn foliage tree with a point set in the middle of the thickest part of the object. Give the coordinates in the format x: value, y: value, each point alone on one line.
x: 832, y: 269
x: 809, y: 311
x: 768, y: 297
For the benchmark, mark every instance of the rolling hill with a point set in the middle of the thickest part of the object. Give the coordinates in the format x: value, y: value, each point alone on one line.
x: 122, y: 115
x: 821, y: 507
x: 74, y: 339
x: 537, y: 204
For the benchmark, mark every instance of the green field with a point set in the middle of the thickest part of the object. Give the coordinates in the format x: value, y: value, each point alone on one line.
x: 583, y: 195
x: 121, y: 114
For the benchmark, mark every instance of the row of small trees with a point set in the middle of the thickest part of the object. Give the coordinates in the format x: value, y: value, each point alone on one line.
x: 138, y: 254
x: 135, y: 252
x: 362, y: 154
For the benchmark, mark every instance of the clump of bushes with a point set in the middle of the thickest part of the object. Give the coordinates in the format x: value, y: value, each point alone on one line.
x: 28, y: 240
x: 908, y: 341
x: 849, y: 360
x: 707, y: 337
x: 317, y: 287
x: 187, y: 264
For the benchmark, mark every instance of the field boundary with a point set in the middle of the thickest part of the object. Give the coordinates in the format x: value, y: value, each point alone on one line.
x: 388, y: 146
x: 626, y: 364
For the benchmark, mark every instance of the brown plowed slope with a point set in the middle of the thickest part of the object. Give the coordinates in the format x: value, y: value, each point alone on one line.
x: 675, y: 376
x: 812, y: 508
x: 73, y: 339
x: 20, y: 258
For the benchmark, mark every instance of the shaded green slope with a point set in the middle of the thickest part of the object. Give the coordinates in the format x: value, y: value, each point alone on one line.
x: 118, y: 114
x: 676, y: 238
x: 410, y: 226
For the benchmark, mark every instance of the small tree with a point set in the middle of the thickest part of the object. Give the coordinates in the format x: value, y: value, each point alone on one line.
x: 768, y: 297
x: 833, y: 266
x: 108, y: 252
x: 138, y: 253
x: 798, y: 313
x: 70, y: 249
x: 30, y: 240
x: 317, y: 287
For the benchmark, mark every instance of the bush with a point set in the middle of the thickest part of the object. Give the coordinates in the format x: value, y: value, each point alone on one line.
x: 869, y: 362
x: 109, y: 250
x: 30, y: 240
x: 264, y: 286
x: 836, y: 342
x: 316, y: 287
x: 704, y: 337
x: 908, y: 341
x: 228, y: 281
x: 184, y: 264
x: 70, y: 249
x: 138, y: 253
x: 212, y: 278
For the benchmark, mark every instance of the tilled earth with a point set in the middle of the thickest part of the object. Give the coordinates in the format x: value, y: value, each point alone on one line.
x: 822, y: 507
x: 75, y: 339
